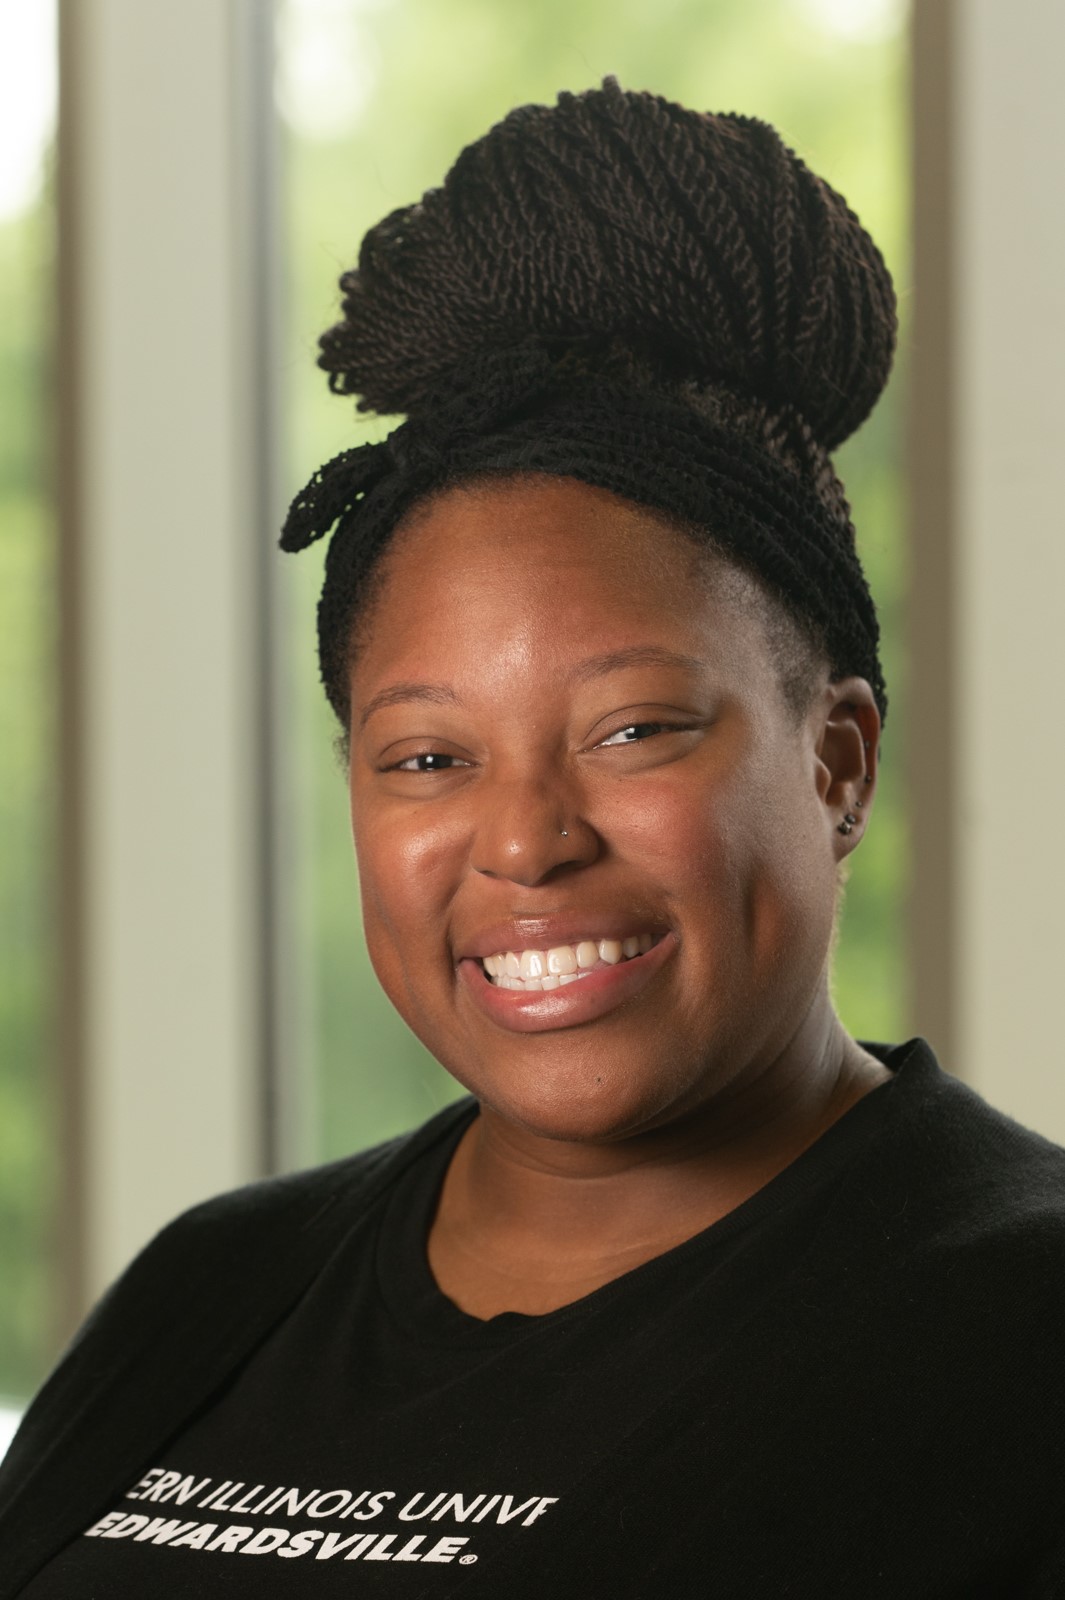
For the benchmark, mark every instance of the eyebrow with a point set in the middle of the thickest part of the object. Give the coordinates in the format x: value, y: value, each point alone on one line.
x: 438, y: 694
x: 435, y: 694
x: 636, y: 655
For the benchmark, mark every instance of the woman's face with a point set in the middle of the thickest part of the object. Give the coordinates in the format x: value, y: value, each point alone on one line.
x: 566, y: 735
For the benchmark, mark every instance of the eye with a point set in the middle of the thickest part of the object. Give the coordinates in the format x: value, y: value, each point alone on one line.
x: 428, y: 761
x: 640, y: 730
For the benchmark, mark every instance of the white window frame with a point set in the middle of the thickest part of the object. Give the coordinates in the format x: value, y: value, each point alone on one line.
x: 170, y: 1017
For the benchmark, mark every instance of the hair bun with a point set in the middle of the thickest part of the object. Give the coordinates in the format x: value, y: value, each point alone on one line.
x: 700, y: 240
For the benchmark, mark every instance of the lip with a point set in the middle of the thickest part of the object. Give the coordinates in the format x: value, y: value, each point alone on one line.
x: 545, y: 932
x: 601, y: 992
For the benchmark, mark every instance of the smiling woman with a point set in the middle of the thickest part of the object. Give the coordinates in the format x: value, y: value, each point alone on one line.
x: 599, y: 870
x: 739, y: 1291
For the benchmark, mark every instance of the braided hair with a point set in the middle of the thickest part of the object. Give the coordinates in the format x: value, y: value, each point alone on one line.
x: 658, y: 301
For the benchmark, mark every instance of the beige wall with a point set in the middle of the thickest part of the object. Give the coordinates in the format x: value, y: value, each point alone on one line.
x: 163, y: 750
x: 988, y: 765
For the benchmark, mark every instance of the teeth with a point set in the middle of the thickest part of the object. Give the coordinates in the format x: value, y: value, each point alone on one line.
x: 536, y: 970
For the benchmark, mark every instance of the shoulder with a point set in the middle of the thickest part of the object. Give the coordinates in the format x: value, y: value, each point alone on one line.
x: 248, y: 1247
x: 289, y: 1211
x: 936, y: 1293
x: 213, y: 1281
x: 965, y: 1208
x: 989, y: 1175
x: 983, y: 1171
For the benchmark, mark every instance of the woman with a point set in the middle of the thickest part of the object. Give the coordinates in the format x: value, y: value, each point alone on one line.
x: 694, y: 1294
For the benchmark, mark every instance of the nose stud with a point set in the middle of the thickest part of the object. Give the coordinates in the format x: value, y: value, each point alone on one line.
x: 565, y: 835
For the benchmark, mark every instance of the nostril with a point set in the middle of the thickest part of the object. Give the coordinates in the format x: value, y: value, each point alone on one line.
x: 527, y: 837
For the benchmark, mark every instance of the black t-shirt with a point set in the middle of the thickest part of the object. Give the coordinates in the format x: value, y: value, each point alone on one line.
x: 720, y: 1421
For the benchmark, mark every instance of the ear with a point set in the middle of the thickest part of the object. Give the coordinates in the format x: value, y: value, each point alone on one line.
x: 847, y: 744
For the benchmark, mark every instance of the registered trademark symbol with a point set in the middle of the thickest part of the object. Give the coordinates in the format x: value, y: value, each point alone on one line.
x: 465, y: 1561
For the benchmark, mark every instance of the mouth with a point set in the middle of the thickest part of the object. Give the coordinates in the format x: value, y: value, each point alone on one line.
x: 564, y: 985
x: 541, y: 971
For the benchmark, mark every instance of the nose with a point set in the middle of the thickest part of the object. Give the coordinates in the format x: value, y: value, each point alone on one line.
x: 526, y: 832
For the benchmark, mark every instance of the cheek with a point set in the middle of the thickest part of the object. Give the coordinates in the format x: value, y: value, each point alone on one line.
x: 740, y: 860
x: 407, y: 874
x: 793, y: 901
x: 691, y: 836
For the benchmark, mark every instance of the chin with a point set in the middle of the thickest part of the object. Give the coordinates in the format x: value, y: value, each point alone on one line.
x: 571, y: 1096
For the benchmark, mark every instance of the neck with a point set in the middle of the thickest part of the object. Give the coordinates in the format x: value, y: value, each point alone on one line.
x: 526, y: 1223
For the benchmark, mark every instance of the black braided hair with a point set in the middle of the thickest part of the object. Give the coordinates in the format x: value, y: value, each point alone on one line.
x: 691, y: 258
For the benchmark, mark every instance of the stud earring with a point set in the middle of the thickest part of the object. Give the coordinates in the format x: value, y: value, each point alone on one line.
x: 849, y: 819
x: 565, y: 835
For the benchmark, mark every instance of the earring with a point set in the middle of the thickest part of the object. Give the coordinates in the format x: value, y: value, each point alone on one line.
x: 565, y: 835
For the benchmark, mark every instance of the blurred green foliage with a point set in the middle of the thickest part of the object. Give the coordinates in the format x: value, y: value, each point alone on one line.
x: 27, y: 790
x: 427, y: 78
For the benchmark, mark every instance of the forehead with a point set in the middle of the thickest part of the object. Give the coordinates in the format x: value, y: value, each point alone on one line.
x: 525, y: 575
